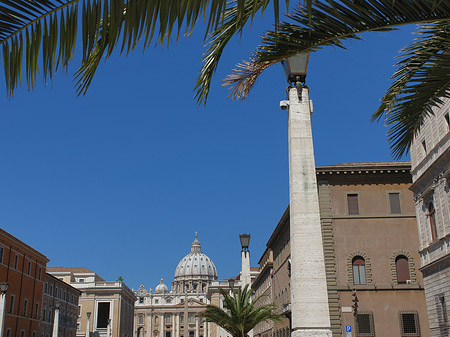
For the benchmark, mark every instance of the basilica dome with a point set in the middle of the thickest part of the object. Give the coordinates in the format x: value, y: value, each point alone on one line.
x: 196, y: 265
x: 161, y: 287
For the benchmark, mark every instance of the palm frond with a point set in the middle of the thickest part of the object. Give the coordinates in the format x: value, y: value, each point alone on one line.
x: 420, y: 83
x: 233, y: 22
x: 330, y: 23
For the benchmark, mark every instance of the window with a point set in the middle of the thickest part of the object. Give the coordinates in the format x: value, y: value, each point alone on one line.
x: 22, y: 333
x: 16, y: 261
x: 447, y: 121
x: 51, y: 290
x: 359, y: 270
x: 402, y: 268
x: 364, y: 324
x: 167, y: 333
x: 43, y: 316
x: 46, y: 288
x: 141, y: 300
x: 442, y: 313
x: 141, y: 319
x: 81, y: 280
x: 36, y: 310
x: 352, y: 204
x: 102, y: 315
x: 191, y: 333
x: 39, y: 274
x: 181, y: 318
x: 191, y: 318
x: 25, y: 307
x: 34, y: 334
x: 409, y: 324
x: 1, y: 254
x: 11, y: 305
x: 424, y: 147
x: 8, y: 332
x: 29, y: 268
x: 432, y: 219
x: 394, y: 203
x: 78, y: 326
x: 156, y: 301
x: 168, y: 318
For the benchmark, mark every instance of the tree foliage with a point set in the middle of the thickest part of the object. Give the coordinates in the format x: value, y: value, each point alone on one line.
x: 239, y: 314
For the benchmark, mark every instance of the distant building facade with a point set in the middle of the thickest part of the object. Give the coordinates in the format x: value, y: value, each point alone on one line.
x: 430, y: 158
x: 58, y: 291
x: 24, y: 269
x: 164, y: 313
x: 105, y: 309
x: 370, y: 245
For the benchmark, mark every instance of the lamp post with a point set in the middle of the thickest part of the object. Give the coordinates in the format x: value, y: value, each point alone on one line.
x: 56, y: 320
x: 309, y: 297
x: 3, y: 289
x: 88, y: 324
x: 245, y: 254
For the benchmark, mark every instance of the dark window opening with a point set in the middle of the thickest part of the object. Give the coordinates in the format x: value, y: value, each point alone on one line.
x: 103, y: 315
x: 409, y: 322
x: 447, y: 120
x: 402, y: 267
x: 191, y: 333
x: 394, y: 201
x: 168, y: 334
x: 16, y: 261
x: 364, y: 325
x: 432, y: 218
x: 141, y: 300
x: 352, y: 203
x: 359, y: 270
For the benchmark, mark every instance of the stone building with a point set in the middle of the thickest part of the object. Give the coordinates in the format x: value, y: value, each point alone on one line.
x: 23, y: 268
x: 106, y: 308
x: 430, y: 159
x: 370, y: 245
x: 58, y: 291
x: 164, y: 313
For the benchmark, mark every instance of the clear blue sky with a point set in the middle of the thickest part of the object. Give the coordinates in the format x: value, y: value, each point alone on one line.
x: 118, y: 181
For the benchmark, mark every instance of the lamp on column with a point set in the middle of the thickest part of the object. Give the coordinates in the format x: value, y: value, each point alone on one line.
x: 231, y: 282
x: 245, y: 241
x: 295, y: 68
x: 3, y: 290
x: 4, y: 287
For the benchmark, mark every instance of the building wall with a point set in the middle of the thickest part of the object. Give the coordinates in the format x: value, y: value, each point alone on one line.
x: 23, y: 268
x: 95, y: 291
x: 56, y: 290
x: 431, y: 185
x: 375, y: 234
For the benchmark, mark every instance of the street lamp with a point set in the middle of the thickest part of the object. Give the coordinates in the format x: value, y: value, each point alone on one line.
x: 245, y: 241
x: 56, y: 320
x: 295, y: 68
x: 231, y: 282
x: 3, y: 289
x: 309, y: 297
x: 88, y: 324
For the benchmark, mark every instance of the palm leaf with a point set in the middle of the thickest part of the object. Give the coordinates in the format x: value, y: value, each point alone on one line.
x: 420, y: 83
x: 330, y: 23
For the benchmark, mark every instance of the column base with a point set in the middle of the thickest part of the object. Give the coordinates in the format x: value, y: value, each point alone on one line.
x: 311, y: 333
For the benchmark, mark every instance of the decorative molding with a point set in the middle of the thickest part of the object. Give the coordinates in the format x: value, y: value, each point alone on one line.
x: 368, y: 266
x: 412, y: 269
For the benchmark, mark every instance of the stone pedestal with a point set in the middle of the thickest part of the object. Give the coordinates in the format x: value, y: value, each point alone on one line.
x: 309, y: 298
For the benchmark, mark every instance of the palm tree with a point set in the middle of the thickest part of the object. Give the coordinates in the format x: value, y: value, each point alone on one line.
x: 240, y: 313
x: 42, y: 33
x: 420, y: 83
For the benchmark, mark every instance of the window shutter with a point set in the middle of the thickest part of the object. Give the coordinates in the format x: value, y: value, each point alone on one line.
x: 394, y: 200
x: 353, y: 206
x: 402, y: 267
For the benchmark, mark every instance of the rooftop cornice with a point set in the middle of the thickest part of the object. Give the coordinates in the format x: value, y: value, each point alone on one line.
x: 365, y: 168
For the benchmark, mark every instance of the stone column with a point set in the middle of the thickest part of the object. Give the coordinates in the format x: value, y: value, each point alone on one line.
x: 173, y: 325
x: 245, y: 268
x: 88, y: 324
x: 149, y: 325
x: 177, y: 321
x: 309, y: 297
x: 162, y: 325
x: 2, y: 307
x: 206, y: 328
x: 56, y: 320
x: 197, y: 327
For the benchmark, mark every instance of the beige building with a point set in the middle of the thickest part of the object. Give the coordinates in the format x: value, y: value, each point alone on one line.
x: 370, y: 245
x: 58, y: 291
x: 430, y: 159
x: 106, y: 309
x: 164, y: 313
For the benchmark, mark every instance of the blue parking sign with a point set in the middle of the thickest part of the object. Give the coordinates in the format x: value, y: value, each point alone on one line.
x: 348, y: 328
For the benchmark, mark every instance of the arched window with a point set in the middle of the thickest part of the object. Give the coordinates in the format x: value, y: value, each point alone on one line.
x: 402, y: 267
x: 141, y: 319
x: 359, y: 270
x: 432, y: 218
